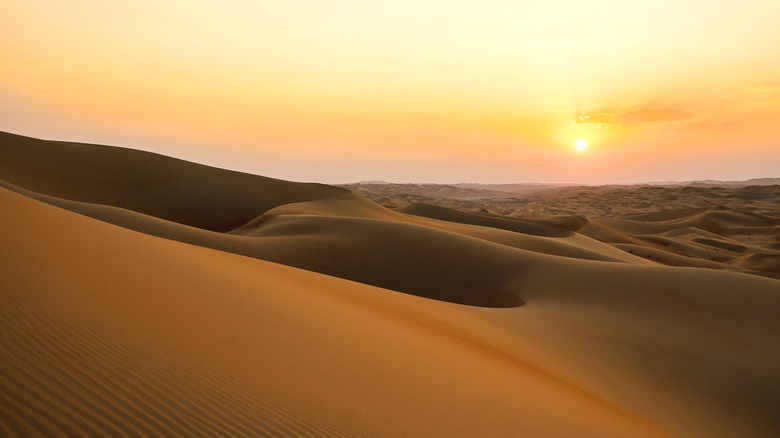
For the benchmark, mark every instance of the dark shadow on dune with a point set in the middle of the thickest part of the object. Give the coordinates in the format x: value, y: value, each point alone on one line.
x: 720, y: 244
x: 507, y: 300
x: 319, y: 244
x: 535, y: 227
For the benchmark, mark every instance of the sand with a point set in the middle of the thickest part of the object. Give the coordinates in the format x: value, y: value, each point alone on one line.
x: 727, y: 225
x: 130, y: 308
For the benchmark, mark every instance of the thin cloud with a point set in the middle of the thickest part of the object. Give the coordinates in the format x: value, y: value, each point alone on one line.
x: 601, y: 119
x: 637, y: 117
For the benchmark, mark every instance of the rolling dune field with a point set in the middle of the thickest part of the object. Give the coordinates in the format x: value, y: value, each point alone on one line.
x: 144, y: 295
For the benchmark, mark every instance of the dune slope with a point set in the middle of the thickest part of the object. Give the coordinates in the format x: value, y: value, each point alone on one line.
x: 131, y: 334
x: 134, y: 335
x: 353, y: 238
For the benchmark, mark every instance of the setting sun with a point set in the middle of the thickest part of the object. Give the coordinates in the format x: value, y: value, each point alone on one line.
x: 580, y: 144
x: 309, y: 91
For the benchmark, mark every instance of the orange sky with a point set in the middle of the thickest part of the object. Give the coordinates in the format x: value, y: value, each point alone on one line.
x: 434, y: 91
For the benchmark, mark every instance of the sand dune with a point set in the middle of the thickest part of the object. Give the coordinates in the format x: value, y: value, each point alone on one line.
x: 134, y: 304
x: 707, y: 225
x: 138, y: 335
x: 177, y: 190
x: 356, y: 248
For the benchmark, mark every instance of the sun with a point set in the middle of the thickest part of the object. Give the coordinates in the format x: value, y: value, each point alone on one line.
x: 580, y: 144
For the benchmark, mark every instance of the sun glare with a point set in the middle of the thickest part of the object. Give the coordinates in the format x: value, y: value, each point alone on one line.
x: 580, y: 144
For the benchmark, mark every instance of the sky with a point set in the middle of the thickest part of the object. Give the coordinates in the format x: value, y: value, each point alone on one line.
x: 407, y: 91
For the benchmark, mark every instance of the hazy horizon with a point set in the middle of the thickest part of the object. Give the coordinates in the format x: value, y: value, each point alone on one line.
x: 247, y: 169
x: 444, y: 92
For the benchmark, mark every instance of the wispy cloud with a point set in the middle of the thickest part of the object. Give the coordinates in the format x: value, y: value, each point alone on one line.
x: 601, y: 119
x: 637, y: 117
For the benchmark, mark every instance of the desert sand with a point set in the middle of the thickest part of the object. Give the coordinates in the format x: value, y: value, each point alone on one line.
x: 144, y: 295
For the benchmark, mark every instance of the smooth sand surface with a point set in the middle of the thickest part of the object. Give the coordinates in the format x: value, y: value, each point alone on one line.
x: 419, y: 321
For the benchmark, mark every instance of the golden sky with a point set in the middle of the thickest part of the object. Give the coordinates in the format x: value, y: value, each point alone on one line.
x: 407, y: 91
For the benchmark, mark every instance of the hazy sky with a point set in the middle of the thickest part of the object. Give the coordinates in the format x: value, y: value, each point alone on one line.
x: 407, y: 91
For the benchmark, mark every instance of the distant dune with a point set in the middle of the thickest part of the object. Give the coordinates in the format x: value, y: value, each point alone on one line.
x: 719, y: 227
x: 144, y: 295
